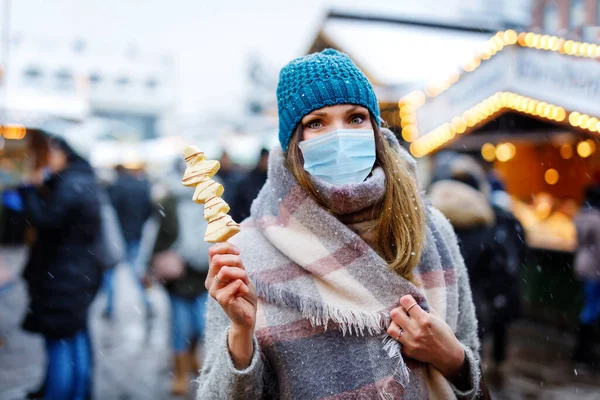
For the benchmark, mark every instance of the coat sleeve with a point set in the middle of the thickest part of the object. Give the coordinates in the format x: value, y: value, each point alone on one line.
x: 219, y: 379
x: 168, y: 229
x: 466, y: 327
x: 51, y: 212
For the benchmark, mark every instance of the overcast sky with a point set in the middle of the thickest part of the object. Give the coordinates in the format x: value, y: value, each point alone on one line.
x: 209, y: 40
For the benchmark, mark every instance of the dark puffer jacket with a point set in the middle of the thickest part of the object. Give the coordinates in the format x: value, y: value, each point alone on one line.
x: 131, y: 199
x: 492, y: 243
x: 62, y: 273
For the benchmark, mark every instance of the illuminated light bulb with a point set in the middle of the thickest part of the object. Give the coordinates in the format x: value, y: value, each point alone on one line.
x: 407, y: 121
x: 583, y: 120
x: 540, y: 108
x: 592, y: 124
x: 458, y: 125
x: 498, y: 43
x: 488, y: 152
x: 566, y: 151
x: 503, y: 152
x: 575, y: 49
x: 544, y: 42
x: 548, y: 110
x: 597, y: 55
x: 429, y: 91
x: 592, y: 50
x: 531, y: 107
x: 407, y: 135
x: 414, y: 149
x: 568, y: 47
x: 592, y: 145
x: 552, y: 43
x: 497, y: 101
x: 574, y: 118
x: 598, y: 126
x: 584, y: 149
x: 510, y: 37
x: 513, y: 150
x: 409, y: 129
x: 521, y: 39
x: 561, y: 114
x: 551, y: 176
x: 529, y: 39
x: 472, y: 121
x: 537, y: 42
x: 407, y: 112
x: 583, y: 49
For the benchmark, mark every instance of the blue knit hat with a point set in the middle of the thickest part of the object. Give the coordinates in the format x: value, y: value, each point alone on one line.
x: 316, y: 81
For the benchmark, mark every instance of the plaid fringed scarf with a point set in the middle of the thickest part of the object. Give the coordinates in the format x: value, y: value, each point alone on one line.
x: 325, y: 295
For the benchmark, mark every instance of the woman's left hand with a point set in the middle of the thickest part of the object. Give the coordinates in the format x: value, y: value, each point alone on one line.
x: 426, y: 337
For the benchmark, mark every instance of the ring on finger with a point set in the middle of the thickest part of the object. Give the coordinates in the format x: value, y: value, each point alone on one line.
x: 220, y: 282
x: 411, y: 306
x: 400, y: 334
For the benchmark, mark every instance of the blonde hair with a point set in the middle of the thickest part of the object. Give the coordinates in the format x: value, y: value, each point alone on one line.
x: 399, y: 216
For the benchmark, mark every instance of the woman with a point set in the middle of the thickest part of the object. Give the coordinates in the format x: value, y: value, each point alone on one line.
x: 342, y: 283
x: 588, y: 271
x: 62, y: 272
x: 182, y: 264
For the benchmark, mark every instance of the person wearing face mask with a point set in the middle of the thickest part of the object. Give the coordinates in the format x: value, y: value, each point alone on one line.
x: 343, y: 282
x: 62, y: 272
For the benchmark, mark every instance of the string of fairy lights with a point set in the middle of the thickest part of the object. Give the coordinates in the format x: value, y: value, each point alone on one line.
x: 489, y: 108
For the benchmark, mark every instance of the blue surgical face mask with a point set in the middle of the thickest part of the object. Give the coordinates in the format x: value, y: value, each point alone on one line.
x: 340, y: 157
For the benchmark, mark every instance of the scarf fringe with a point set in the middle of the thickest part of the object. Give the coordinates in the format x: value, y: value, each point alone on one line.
x: 393, y: 348
x: 350, y: 322
x: 320, y: 314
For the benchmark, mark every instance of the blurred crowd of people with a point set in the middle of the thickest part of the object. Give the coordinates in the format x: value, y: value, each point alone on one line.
x: 83, y: 228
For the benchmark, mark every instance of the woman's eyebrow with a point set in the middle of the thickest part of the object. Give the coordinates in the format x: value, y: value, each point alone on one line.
x: 317, y: 114
x: 353, y: 109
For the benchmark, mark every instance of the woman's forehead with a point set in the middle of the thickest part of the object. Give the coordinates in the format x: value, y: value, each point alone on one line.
x: 338, y: 109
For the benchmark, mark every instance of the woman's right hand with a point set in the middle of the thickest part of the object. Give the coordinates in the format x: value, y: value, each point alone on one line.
x: 228, y: 283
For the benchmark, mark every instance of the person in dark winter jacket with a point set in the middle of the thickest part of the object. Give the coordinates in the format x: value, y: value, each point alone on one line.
x: 178, y: 242
x: 130, y: 196
x: 491, y: 241
x: 230, y: 176
x: 62, y: 273
x: 503, y: 289
x: 247, y: 189
x: 587, y: 269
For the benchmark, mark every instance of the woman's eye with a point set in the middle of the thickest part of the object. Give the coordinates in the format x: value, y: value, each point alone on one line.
x: 314, y: 125
x: 357, y: 119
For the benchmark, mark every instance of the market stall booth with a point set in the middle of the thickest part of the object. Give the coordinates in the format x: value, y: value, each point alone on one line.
x: 398, y: 54
x: 530, y: 105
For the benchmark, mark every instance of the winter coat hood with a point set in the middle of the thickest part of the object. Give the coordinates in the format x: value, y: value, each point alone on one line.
x: 464, y: 206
